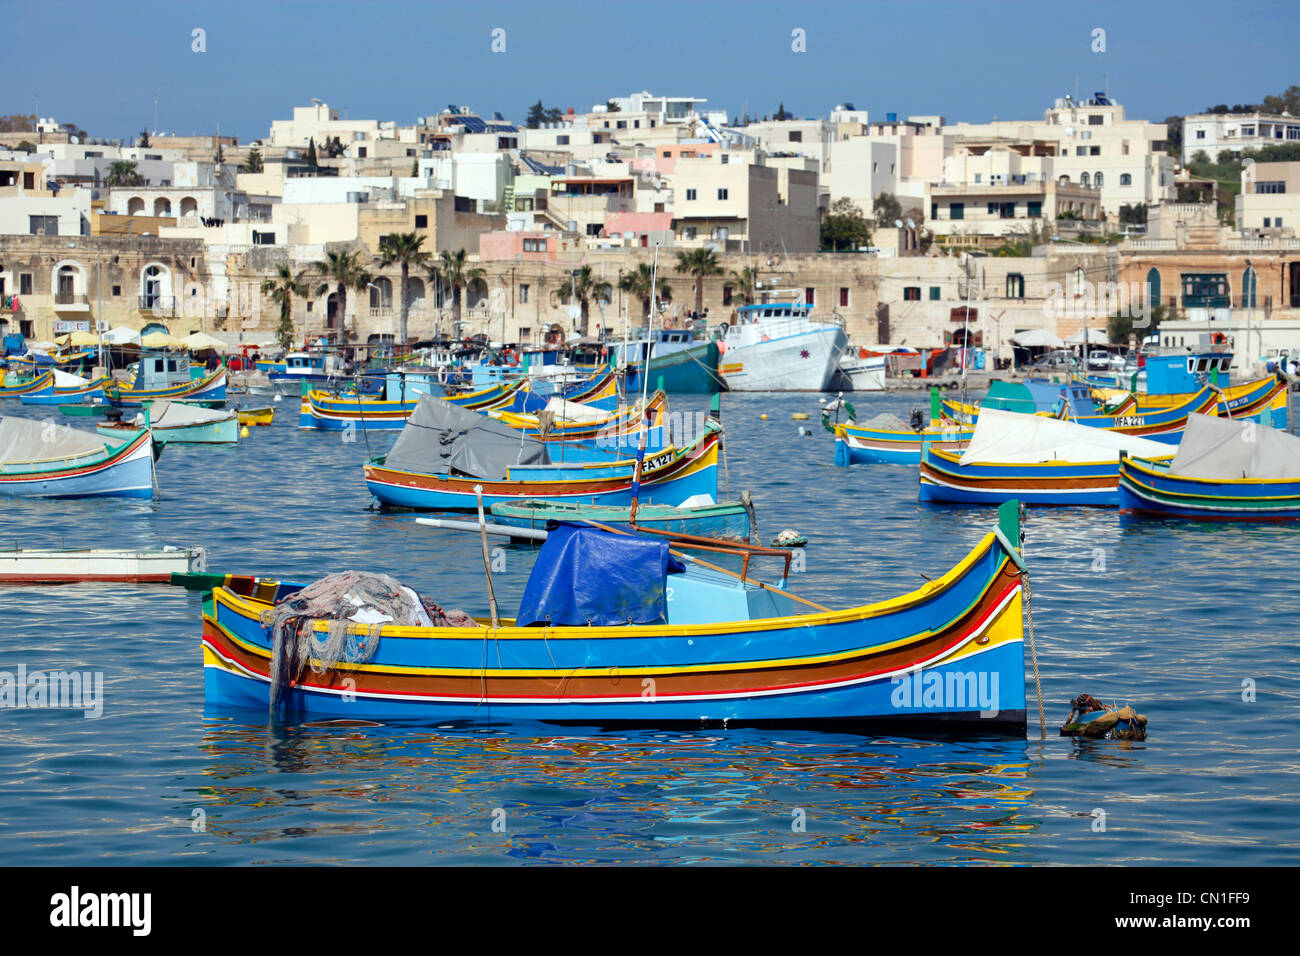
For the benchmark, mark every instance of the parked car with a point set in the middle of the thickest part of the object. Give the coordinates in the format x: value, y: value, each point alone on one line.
x: 1056, y: 361
x: 1099, y: 360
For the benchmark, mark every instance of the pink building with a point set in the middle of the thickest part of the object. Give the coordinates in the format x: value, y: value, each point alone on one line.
x: 532, y: 246
x: 645, y: 228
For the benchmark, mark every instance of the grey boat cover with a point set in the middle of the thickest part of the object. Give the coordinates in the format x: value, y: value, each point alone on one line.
x: 1220, y: 449
x: 22, y: 439
x: 441, y: 439
x: 165, y: 414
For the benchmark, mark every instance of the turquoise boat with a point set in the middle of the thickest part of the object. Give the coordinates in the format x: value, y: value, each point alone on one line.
x: 178, y: 423
x: 731, y: 520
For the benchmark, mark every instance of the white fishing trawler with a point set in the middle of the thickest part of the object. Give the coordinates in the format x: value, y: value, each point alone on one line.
x: 780, y: 347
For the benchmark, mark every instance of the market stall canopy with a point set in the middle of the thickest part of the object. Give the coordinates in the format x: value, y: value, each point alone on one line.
x: 121, y: 336
x: 1095, y: 337
x: 201, y: 341
x: 159, y: 340
x: 1036, y: 338
x: 80, y: 338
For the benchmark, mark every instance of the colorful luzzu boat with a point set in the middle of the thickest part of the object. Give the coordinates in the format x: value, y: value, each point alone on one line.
x: 67, y: 463
x: 180, y: 424
x: 444, y: 452
x: 726, y: 520
x: 1223, y: 471
x: 600, y: 390
x: 211, y: 388
x: 681, y: 645
x: 1034, y: 459
x: 574, y: 422
x: 68, y: 389
x: 861, y: 444
x: 493, y: 396
x: 17, y: 387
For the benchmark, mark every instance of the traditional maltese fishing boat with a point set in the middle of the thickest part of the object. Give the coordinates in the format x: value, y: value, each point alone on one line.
x: 625, y: 629
x: 1031, y: 458
x: 444, y: 451
x: 66, y: 388
x: 179, y: 423
x: 42, y: 460
x: 165, y: 376
x: 1223, y: 471
x: 30, y: 386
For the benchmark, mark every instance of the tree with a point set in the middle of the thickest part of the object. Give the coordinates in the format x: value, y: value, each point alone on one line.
x: 143, y: 140
x: 1119, y: 327
x: 585, y: 288
x: 1288, y: 102
x: 403, y: 248
x: 781, y: 114
x: 122, y: 173
x: 451, y: 271
x: 744, y: 283
x: 253, y: 163
x: 312, y: 161
x: 844, y: 226
x: 612, y: 107
x: 886, y: 210
x: 26, y: 146
x: 536, y: 115
x: 345, y: 271
x: 638, y: 284
x: 18, y: 123
x: 1134, y: 215
x: 699, y: 263
x: 282, y: 288
x: 1174, y: 136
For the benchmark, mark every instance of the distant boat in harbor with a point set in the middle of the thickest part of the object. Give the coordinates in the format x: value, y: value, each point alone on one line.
x: 779, y: 347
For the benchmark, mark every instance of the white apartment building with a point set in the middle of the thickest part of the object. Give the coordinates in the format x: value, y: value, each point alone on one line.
x: 665, y: 109
x: 1269, y: 202
x: 1094, y: 145
x: 1215, y: 132
x: 28, y: 206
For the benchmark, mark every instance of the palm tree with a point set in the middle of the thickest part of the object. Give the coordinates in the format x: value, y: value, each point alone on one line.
x: 282, y: 289
x: 122, y: 173
x: 344, y: 270
x: 450, y: 272
x: 744, y: 283
x: 699, y: 263
x: 638, y: 285
x: 404, y: 249
x: 584, y: 287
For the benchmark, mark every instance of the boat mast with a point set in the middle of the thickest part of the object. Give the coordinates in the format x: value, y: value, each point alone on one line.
x: 645, y: 383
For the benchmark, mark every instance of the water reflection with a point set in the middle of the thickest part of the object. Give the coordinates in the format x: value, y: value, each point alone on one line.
x: 489, y: 794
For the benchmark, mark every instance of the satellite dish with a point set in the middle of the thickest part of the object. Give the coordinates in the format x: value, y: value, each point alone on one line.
x: 898, y: 223
x: 1069, y: 131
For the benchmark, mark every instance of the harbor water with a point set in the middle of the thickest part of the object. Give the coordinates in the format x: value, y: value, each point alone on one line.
x: 1196, y: 624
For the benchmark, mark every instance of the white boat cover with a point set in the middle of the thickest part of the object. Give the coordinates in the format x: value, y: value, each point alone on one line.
x: 179, y: 415
x: 1220, y: 449
x: 68, y: 380
x: 1036, y: 338
x: 575, y: 411
x: 23, y: 440
x: 1018, y: 438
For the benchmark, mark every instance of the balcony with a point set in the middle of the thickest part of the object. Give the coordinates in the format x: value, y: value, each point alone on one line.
x: 158, y: 304
x: 71, y: 302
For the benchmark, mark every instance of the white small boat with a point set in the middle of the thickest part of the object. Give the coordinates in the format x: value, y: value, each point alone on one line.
x: 108, y: 565
x: 864, y: 373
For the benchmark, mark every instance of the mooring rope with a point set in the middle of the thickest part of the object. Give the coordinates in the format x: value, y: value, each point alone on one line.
x: 1033, y: 654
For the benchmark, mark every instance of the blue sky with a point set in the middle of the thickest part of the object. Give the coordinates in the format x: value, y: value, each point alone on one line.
x: 402, y: 59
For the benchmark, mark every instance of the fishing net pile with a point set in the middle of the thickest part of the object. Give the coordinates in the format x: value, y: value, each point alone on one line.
x: 344, y: 600
x: 887, y: 422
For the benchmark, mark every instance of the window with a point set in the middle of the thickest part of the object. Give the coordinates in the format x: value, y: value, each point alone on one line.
x: 309, y: 305
x: 1125, y: 179
x: 1094, y: 150
x: 621, y: 124
x: 1096, y: 119
x: 844, y: 297
x: 263, y: 238
x: 934, y: 293
x: 25, y: 283
x: 1249, y: 287
x: 690, y: 195
x: 1083, y: 178
x: 726, y: 295
x: 1097, y: 180
x: 722, y: 194
x: 668, y: 153
x: 725, y: 159
x: 594, y: 228
x: 1248, y: 131
x: 689, y: 232
x: 796, y: 136
x: 421, y: 221
x: 117, y: 290
x: 43, y: 225
x: 1266, y: 222
x: 525, y: 334
x: 523, y: 299
x: 912, y: 293
x: 810, y: 296
x: 534, y: 245
x: 1015, y: 285
x: 1200, y: 134
x: 1278, y: 222
x: 636, y: 124
x: 562, y: 141
x: 1081, y: 151
x: 1034, y: 210
x: 1272, y: 186
x: 979, y: 178
x: 29, y: 180
x: 934, y: 210
x: 361, y: 152
x: 956, y: 210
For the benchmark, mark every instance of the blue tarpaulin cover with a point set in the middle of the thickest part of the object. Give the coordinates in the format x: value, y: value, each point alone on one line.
x: 587, y: 576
